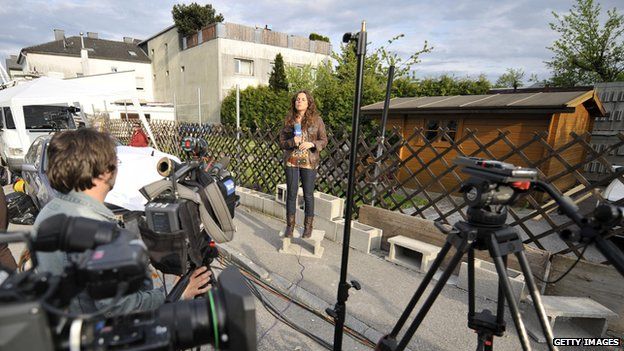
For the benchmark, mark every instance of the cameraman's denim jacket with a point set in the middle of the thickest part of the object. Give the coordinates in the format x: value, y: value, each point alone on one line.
x: 78, y: 204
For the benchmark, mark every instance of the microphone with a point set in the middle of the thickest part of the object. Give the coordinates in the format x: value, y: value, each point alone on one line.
x: 73, y: 234
x: 297, y: 129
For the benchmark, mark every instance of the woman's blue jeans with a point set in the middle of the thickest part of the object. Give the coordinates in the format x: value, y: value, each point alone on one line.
x: 307, y: 177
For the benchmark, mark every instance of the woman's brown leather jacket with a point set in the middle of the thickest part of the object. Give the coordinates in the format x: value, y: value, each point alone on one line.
x: 316, y: 134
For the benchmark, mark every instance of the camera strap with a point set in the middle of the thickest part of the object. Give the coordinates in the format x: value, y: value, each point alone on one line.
x: 219, y: 234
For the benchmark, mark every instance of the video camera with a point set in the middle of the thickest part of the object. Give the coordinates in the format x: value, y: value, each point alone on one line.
x: 188, y: 212
x: 106, y: 261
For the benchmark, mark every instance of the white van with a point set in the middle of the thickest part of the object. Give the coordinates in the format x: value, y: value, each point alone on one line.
x: 20, y: 128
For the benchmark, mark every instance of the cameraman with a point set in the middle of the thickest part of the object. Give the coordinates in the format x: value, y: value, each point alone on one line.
x: 82, y: 166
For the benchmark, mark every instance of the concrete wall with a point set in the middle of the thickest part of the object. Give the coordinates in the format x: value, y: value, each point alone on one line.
x: 210, y: 67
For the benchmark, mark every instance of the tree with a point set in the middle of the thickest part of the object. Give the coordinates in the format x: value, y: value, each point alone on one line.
x: 587, y: 51
x: 258, y: 106
x: 301, y: 78
x: 511, y: 79
x: 315, y: 36
x: 193, y: 17
x: 277, y: 80
x: 446, y: 85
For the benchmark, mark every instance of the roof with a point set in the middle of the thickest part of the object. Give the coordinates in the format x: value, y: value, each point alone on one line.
x: 98, y: 49
x: 540, y: 102
x: 157, y: 34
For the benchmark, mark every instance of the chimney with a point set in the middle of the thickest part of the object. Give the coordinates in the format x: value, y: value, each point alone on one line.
x: 128, y: 40
x: 59, y: 34
x: 92, y: 35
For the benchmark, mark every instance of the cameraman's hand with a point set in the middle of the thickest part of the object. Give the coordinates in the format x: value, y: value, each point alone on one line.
x: 199, y: 278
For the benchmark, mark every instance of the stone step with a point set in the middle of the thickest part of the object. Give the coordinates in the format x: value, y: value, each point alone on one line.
x: 363, y: 237
x: 411, y: 253
x: 570, y: 317
x: 311, y: 246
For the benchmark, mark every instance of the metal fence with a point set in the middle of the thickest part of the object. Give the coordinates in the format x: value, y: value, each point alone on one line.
x: 415, y: 178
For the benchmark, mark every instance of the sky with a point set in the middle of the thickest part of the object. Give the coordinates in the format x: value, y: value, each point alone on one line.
x: 469, y: 37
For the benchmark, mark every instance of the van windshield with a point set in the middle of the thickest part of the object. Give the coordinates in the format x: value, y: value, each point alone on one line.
x: 48, y: 117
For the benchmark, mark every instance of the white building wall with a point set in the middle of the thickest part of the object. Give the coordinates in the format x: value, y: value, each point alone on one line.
x: 69, y: 67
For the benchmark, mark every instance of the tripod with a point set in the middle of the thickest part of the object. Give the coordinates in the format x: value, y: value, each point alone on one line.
x: 484, y: 230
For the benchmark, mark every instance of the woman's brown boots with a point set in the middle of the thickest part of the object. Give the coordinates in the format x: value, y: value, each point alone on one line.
x: 290, y: 226
x: 307, y: 227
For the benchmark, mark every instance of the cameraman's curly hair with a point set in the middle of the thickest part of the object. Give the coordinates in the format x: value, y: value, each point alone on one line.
x: 75, y: 157
x: 311, y: 115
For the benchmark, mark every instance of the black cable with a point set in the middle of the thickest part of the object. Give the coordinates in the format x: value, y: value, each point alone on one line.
x: 252, y: 278
x: 567, y: 271
x: 290, y: 302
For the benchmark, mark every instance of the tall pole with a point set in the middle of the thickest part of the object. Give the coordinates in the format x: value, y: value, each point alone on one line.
x: 237, y: 112
x: 340, y: 309
x: 382, y: 137
x: 199, y: 103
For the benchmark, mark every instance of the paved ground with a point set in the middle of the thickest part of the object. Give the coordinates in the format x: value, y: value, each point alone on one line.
x: 386, y: 289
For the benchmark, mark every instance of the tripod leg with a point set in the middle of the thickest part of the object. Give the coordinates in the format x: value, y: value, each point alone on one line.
x: 433, y: 296
x: 513, y: 306
x: 421, y: 289
x: 471, y: 284
x: 537, y: 299
x: 500, y: 309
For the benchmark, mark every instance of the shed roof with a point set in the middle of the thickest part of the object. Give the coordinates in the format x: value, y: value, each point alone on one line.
x: 97, y: 48
x: 539, y: 102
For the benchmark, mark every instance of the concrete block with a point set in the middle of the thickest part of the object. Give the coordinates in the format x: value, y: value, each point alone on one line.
x: 272, y: 208
x: 244, y: 194
x: 412, y: 253
x: 328, y: 226
x: 257, y: 200
x: 570, y: 317
x: 280, y: 193
x: 486, y: 281
x: 327, y: 206
x: 363, y: 237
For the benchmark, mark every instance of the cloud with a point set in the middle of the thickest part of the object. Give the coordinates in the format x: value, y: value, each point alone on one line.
x: 469, y: 37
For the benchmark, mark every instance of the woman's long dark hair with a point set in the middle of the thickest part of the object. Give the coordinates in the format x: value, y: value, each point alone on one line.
x: 311, y: 114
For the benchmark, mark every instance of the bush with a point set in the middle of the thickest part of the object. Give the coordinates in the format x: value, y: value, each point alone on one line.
x: 258, y: 106
x: 315, y: 36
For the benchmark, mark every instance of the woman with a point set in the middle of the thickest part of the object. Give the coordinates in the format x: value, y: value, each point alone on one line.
x: 138, y: 139
x: 302, y: 138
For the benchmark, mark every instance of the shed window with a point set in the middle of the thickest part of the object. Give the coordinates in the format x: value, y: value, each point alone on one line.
x: 432, y: 127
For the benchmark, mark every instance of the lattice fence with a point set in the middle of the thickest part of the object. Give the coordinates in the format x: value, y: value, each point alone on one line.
x: 414, y: 175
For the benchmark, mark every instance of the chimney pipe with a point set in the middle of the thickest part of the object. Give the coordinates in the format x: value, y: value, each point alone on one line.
x: 59, y: 34
x: 82, y: 40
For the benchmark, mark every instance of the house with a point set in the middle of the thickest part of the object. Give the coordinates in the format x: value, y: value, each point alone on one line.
x: 520, y: 114
x: 196, y: 72
x: 607, y: 128
x: 14, y: 70
x: 77, y: 56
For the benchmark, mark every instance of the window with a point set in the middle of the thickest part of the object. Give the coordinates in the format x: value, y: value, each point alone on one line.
x: 244, y: 67
x: 113, y: 69
x: 132, y: 53
x: 8, y: 117
x: 621, y: 96
x: 33, y: 152
x: 432, y: 127
x: 140, y: 83
x: 133, y: 116
x: 611, y: 96
x: 618, y: 115
x: 48, y: 117
x: 611, y: 115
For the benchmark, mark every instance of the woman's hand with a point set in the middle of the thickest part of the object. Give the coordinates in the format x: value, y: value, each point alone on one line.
x: 199, y: 278
x: 306, y: 145
x: 298, y: 140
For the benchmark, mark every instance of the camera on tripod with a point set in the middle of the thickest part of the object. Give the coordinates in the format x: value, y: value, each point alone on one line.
x: 105, y: 262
